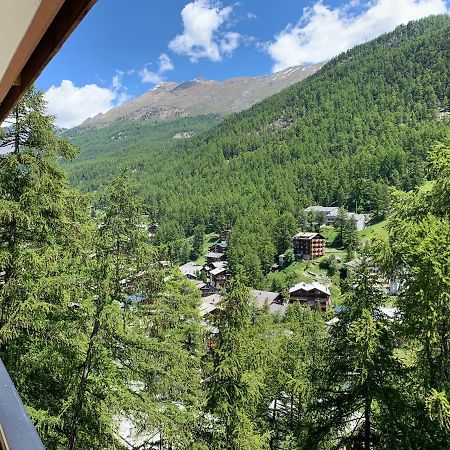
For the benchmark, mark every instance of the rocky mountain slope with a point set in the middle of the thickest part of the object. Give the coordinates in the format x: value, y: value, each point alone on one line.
x: 169, y: 100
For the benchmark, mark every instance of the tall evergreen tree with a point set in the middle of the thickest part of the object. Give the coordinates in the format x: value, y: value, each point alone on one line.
x: 237, y: 380
x: 362, y: 367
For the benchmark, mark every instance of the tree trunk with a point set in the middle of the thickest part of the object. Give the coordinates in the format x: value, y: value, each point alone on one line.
x: 274, y: 424
x: 292, y: 410
x: 367, y: 424
x: 83, y: 381
x: 17, y: 133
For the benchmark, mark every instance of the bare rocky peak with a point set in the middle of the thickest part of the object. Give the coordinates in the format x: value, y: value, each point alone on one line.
x: 169, y: 100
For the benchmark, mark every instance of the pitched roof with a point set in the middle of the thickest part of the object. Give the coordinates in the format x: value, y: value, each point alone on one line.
x: 214, y: 255
x: 309, y: 287
x: 210, y: 304
x: 262, y: 297
x: 222, y: 244
x: 218, y: 270
x: 190, y: 268
x: 217, y: 264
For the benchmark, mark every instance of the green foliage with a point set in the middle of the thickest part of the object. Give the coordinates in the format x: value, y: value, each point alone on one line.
x: 239, y: 364
x: 330, y: 264
x: 361, y: 365
x: 285, y: 228
x: 74, y: 343
x: 362, y: 123
x: 197, y: 244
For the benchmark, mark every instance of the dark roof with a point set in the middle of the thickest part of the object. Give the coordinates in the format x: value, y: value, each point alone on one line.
x: 303, y: 235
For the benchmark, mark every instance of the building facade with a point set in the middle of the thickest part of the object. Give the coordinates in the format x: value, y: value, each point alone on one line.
x: 308, y: 245
x: 313, y: 295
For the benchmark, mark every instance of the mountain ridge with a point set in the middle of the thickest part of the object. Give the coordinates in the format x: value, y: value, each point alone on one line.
x: 201, y: 96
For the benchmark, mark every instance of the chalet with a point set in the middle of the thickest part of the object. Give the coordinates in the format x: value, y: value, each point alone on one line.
x: 273, y: 300
x: 266, y: 297
x: 214, y: 257
x: 314, y: 295
x: 219, y: 247
x: 308, y: 245
x: 206, y: 269
x: 219, y: 277
x: 190, y: 270
x: 206, y: 289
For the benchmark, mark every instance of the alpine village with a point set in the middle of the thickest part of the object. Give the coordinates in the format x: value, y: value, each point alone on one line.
x: 272, y: 277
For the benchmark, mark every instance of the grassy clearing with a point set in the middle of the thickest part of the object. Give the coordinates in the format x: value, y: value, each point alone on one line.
x: 208, y: 240
x: 377, y: 231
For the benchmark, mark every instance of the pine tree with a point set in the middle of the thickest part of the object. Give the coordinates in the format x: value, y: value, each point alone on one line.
x: 44, y: 243
x: 362, y: 367
x: 118, y: 258
x: 237, y: 380
x: 285, y: 228
x: 417, y: 255
x: 297, y: 377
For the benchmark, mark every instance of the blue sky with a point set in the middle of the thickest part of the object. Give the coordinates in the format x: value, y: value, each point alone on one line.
x: 123, y: 48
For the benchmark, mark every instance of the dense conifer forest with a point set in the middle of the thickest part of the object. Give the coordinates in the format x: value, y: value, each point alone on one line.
x: 342, y: 137
x: 100, y: 332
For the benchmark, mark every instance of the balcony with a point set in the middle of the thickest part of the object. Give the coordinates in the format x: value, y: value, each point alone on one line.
x: 16, y: 429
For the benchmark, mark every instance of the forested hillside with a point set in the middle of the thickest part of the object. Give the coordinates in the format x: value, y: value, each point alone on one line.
x: 344, y: 135
x: 104, y: 151
x: 370, y: 114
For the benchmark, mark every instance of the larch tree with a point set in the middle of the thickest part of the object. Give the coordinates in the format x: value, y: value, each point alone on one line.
x: 236, y: 383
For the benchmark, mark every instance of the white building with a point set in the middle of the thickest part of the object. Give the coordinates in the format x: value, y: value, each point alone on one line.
x: 331, y: 214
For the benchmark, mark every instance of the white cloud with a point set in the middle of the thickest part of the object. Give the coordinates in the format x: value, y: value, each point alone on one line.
x: 324, y: 32
x: 71, y: 105
x: 230, y: 43
x: 155, y: 77
x: 201, y: 37
x: 165, y: 64
x: 147, y: 76
x: 117, y: 80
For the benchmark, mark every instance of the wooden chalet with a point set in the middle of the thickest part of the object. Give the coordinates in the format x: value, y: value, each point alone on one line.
x: 308, y: 245
x: 273, y: 301
x: 191, y: 270
x: 210, y: 305
x: 206, y: 289
x: 219, y: 247
x: 214, y: 257
x: 219, y: 277
x: 314, y: 295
